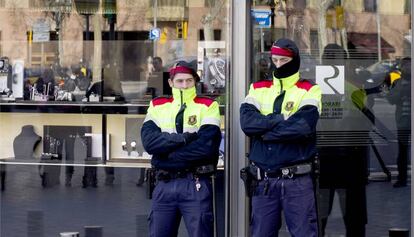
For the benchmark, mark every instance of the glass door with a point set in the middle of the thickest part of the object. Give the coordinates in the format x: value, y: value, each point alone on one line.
x: 363, y: 67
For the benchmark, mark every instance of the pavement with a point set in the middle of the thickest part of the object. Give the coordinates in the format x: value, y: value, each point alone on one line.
x: 28, y: 209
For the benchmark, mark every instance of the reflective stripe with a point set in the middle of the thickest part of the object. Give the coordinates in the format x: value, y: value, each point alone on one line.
x: 169, y: 130
x: 160, y: 122
x: 195, y: 116
x: 166, y: 120
x: 191, y: 129
x: 267, y: 106
x: 213, y: 121
x: 252, y: 101
x: 313, y: 102
x: 148, y: 117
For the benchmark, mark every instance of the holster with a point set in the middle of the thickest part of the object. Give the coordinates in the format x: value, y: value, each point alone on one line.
x: 249, y: 180
x: 151, y: 179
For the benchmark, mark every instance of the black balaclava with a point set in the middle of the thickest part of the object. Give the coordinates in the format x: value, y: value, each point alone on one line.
x: 291, y: 67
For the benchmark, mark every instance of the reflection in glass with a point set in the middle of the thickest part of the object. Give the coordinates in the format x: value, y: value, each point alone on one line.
x: 343, y: 167
x: 363, y: 132
x: 82, y: 75
x: 400, y: 96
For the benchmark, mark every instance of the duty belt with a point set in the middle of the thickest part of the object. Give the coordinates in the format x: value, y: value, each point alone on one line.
x: 285, y: 172
x: 290, y: 171
x: 168, y: 175
x: 203, y: 170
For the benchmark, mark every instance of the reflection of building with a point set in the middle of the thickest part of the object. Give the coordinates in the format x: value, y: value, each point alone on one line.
x: 177, y: 23
x: 134, y: 20
x: 301, y: 21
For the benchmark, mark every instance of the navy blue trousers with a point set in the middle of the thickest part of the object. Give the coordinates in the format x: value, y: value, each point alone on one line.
x: 179, y: 198
x: 295, y: 197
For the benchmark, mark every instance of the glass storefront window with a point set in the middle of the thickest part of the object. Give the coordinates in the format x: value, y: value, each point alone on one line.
x: 76, y: 79
x: 362, y: 63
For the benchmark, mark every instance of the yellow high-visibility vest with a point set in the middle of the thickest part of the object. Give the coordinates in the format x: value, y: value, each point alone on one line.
x: 199, y: 111
x: 298, y: 93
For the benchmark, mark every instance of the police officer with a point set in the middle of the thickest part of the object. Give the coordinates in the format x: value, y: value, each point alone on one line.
x: 280, y: 117
x: 400, y: 95
x: 183, y: 135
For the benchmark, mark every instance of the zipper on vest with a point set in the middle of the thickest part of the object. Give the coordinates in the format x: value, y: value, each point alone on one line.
x: 277, y: 103
x: 179, y: 119
x: 281, y: 86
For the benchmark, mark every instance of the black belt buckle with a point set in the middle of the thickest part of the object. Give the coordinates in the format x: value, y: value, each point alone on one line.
x: 205, y: 170
x: 301, y: 169
x: 286, y: 173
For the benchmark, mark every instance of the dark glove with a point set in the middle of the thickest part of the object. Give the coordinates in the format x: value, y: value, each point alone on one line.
x: 189, y: 137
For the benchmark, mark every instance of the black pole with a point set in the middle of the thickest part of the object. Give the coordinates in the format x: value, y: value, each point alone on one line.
x: 272, y: 6
x: 272, y: 14
x: 104, y: 157
x: 111, y: 30
x: 87, y: 32
x: 87, y: 36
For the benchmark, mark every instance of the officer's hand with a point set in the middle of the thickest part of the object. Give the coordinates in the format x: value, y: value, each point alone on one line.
x: 189, y: 137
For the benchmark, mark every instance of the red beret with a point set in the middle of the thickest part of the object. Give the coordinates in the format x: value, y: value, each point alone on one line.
x: 183, y: 67
x: 180, y: 69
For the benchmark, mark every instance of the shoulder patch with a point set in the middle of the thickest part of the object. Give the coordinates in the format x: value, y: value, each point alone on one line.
x: 162, y: 100
x: 305, y: 84
x: 262, y: 84
x: 203, y: 100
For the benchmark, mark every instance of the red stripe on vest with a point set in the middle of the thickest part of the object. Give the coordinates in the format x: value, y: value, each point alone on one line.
x: 261, y: 84
x: 161, y: 101
x: 204, y: 101
x: 304, y: 85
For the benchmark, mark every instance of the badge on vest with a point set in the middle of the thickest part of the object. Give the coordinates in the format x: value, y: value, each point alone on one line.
x: 289, y: 106
x: 192, y: 120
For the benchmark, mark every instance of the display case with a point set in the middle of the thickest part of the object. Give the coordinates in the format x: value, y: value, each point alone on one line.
x: 63, y: 122
x: 76, y: 79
